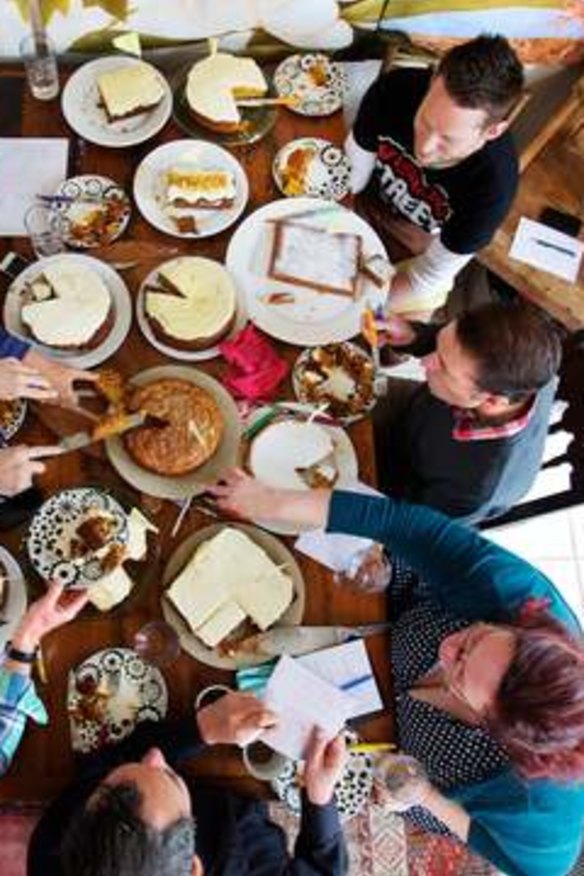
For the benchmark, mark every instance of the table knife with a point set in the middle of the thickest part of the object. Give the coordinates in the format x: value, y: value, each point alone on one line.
x: 295, y: 641
x: 83, y: 439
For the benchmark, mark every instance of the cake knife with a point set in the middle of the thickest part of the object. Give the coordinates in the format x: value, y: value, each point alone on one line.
x: 295, y: 641
x: 83, y: 439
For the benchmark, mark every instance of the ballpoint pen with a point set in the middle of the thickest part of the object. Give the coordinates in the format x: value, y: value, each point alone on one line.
x: 549, y: 245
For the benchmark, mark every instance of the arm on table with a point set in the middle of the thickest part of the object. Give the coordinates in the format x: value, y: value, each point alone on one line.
x: 426, y: 274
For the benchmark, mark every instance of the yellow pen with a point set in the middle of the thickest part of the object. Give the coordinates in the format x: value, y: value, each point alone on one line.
x: 372, y: 747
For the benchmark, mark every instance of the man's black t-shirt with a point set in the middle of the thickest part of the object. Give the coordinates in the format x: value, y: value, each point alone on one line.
x: 467, y: 201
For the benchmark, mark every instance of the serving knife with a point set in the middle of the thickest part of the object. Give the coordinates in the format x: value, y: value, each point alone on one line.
x: 82, y: 439
x: 295, y: 641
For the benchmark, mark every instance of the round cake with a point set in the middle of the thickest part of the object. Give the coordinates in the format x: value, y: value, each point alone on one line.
x: 193, y: 431
x: 216, y: 83
x: 193, y: 305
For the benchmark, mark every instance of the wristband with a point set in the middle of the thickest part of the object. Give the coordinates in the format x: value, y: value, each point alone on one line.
x: 20, y: 656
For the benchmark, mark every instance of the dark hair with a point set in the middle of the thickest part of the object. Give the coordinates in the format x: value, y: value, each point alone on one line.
x: 485, y: 74
x: 538, y: 715
x: 516, y: 347
x: 110, y: 838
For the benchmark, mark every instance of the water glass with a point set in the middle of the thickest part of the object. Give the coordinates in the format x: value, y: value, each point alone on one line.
x: 157, y: 643
x: 367, y: 571
x: 40, y: 62
x: 45, y: 229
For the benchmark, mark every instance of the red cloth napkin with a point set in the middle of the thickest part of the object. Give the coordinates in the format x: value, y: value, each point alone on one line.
x: 255, y: 370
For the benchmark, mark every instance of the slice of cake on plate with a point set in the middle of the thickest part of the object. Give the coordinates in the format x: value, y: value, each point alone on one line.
x: 216, y: 83
x: 68, y: 306
x: 130, y: 90
x: 198, y: 304
x: 316, y: 258
x: 189, y: 187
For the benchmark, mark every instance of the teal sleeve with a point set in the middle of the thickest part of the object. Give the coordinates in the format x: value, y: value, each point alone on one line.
x: 467, y: 574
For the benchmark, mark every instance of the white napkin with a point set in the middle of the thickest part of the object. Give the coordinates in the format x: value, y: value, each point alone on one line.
x: 28, y: 167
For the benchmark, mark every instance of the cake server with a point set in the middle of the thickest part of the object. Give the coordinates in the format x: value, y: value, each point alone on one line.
x: 295, y: 641
x: 83, y: 439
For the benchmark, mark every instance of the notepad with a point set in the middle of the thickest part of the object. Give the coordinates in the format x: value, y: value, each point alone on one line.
x: 29, y: 166
x: 545, y: 248
x: 348, y: 667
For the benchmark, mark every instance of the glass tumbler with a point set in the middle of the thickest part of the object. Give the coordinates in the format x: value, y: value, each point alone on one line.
x: 40, y: 62
x: 45, y: 229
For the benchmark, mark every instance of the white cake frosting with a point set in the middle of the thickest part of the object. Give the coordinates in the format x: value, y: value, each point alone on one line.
x: 188, y: 181
x: 206, y: 303
x: 283, y: 447
x: 125, y: 90
x: 79, y: 307
x: 214, y: 83
x: 229, y: 578
x: 314, y: 257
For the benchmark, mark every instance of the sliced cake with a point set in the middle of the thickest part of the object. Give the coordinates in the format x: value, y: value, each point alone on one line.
x: 194, y: 305
x: 190, y: 188
x: 68, y: 306
x: 216, y: 83
x: 130, y: 90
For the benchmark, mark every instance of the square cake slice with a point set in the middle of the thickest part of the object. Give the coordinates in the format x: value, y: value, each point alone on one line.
x: 129, y: 91
x: 316, y: 258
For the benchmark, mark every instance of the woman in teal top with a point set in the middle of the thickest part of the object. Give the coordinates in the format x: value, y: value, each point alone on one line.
x: 488, y: 670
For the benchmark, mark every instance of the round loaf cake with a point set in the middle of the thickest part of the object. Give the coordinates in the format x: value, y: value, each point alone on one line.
x: 194, y: 430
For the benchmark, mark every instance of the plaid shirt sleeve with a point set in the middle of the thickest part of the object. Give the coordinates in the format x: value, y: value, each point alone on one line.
x: 18, y: 701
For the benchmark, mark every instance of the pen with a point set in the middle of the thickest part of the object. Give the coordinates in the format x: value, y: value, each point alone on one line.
x: 371, y: 747
x: 355, y: 682
x: 555, y: 246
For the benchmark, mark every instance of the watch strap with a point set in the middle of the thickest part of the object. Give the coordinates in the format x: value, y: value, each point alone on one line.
x: 20, y: 656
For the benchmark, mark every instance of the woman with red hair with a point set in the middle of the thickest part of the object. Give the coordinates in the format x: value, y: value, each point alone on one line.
x: 488, y: 672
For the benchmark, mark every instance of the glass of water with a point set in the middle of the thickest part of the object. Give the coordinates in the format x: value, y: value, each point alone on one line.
x: 45, y: 229
x: 40, y: 62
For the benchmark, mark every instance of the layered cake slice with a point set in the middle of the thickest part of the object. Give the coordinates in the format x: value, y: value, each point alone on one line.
x: 216, y: 83
x: 316, y: 258
x: 190, y: 188
x: 68, y: 306
x: 129, y: 91
x: 198, y: 304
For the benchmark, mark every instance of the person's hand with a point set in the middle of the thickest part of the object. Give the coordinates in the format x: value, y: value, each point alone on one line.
x: 240, y: 495
x: 49, y: 612
x: 60, y: 378
x: 395, y: 331
x: 19, y: 464
x: 235, y: 719
x: 18, y: 380
x: 324, y: 764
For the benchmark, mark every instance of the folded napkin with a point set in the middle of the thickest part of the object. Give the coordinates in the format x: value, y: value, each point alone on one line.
x: 255, y: 370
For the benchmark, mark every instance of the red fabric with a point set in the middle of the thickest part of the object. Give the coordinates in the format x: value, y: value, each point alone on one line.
x: 467, y: 428
x: 255, y: 370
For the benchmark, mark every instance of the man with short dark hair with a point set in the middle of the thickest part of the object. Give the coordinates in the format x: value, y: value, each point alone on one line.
x: 470, y: 440
x: 132, y: 814
x: 438, y: 164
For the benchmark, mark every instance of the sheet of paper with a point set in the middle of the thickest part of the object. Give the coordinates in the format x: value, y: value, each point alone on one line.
x: 28, y: 167
x: 348, y: 667
x: 545, y: 248
x: 303, y: 701
x: 335, y: 550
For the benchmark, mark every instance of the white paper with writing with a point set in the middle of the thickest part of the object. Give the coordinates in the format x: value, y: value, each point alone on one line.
x: 545, y: 248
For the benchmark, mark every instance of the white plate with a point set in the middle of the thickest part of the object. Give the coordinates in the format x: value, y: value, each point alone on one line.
x: 80, y: 103
x: 193, y: 483
x: 175, y: 352
x: 16, y: 599
x: 292, y: 77
x: 149, y: 186
x: 314, y: 317
x: 138, y: 694
x: 121, y: 302
x: 271, y: 450
x: 328, y: 173
x: 90, y: 187
x: 19, y: 408
x: 278, y: 553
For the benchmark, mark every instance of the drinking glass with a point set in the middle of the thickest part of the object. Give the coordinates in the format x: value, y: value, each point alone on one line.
x: 157, y: 643
x: 367, y: 571
x: 44, y: 227
x: 40, y: 62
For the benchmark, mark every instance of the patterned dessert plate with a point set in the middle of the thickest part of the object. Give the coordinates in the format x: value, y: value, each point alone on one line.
x: 12, y: 595
x: 314, y: 79
x: 109, y: 694
x: 12, y: 416
x: 52, y: 531
x: 314, y: 167
x: 94, y: 210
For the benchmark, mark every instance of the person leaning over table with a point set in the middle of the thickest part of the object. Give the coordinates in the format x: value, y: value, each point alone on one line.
x: 131, y: 814
x: 24, y: 373
x: 488, y: 672
x: 438, y: 166
x: 18, y: 697
x: 470, y: 440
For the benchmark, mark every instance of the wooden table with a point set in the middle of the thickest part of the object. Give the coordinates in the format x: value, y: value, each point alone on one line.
x: 44, y: 762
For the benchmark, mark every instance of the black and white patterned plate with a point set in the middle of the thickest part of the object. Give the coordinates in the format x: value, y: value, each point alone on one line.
x: 352, y: 791
x: 54, y: 524
x: 136, y: 689
x: 298, y: 75
x: 89, y: 193
x: 328, y: 172
x: 12, y: 416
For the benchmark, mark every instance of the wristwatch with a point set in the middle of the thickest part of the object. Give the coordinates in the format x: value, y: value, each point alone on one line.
x: 20, y: 656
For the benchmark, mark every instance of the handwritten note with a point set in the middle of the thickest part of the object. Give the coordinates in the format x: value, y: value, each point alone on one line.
x: 545, y: 248
x: 348, y: 667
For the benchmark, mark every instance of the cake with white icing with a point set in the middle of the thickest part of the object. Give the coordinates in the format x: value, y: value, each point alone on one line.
x: 189, y: 188
x: 216, y: 83
x: 67, y: 306
x: 228, y: 579
x: 193, y: 305
x: 130, y: 90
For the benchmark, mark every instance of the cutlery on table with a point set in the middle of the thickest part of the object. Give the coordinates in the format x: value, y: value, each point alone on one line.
x: 303, y: 639
x: 82, y: 439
